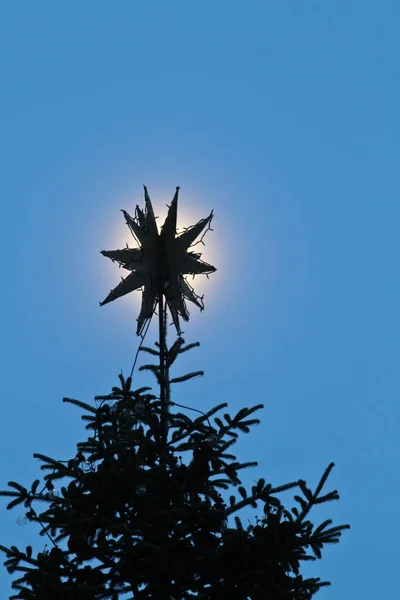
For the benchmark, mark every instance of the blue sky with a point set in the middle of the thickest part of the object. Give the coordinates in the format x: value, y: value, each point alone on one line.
x: 282, y: 117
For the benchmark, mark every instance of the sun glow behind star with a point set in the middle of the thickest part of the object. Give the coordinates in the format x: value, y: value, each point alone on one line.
x: 191, y: 209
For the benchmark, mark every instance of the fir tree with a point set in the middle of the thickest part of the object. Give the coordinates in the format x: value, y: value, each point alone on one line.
x: 126, y: 517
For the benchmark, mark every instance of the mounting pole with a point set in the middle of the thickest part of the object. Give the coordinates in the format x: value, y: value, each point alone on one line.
x: 162, y: 310
x: 162, y: 326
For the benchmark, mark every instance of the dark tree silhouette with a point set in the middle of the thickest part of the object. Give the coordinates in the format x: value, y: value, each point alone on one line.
x: 131, y: 520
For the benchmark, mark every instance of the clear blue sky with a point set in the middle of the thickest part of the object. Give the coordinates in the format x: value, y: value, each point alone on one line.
x: 284, y: 118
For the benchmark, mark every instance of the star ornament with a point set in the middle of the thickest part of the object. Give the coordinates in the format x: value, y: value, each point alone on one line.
x: 160, y: 263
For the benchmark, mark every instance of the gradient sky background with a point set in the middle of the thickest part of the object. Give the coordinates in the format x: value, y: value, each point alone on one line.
x: 281, y: 116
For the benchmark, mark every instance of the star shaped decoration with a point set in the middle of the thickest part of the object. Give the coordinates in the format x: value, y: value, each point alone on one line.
x: 161, y: 261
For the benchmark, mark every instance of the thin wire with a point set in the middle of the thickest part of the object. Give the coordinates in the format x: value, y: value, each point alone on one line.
x: 190, y: 408
x: 140, y: 345
x: 111, y: 396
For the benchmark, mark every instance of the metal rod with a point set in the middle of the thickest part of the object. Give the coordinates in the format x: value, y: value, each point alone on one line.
x: 163, y: 395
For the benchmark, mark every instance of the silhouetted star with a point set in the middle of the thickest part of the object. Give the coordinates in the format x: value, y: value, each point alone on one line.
x: 160, y: 263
